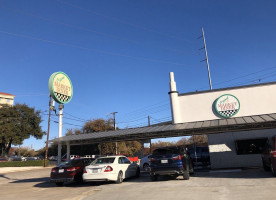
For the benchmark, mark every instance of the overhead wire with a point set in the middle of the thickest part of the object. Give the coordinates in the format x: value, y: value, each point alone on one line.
x: 90, y: 49
x: 122, y: 21
x: 243, y: 76
x: 85, y: 29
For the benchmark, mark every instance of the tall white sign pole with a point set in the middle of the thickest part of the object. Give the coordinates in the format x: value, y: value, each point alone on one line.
x: 61, y: 90
x: 61, y: 106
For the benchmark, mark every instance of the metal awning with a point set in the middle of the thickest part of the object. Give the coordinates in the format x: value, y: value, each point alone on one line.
x: 255, y: 122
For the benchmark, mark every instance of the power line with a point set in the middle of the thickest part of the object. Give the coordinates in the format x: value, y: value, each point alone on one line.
x: 86, y: 29
x: 67, y: 123
x: 90, y: 49
x: 243, y: 76
x: 146, y: 108
x: 122, y: 21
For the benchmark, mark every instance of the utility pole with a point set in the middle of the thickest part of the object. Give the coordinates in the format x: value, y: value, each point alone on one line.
x: 48, y: 131
x: 206, y: 57
x: 149, y: 125
x: 114, y: 125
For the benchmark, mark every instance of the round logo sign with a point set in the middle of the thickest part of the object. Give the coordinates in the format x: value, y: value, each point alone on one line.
x: 227, y: 105
x: 60, y: 87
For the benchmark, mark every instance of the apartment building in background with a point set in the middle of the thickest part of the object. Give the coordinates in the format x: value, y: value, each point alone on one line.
x: 6, y: 98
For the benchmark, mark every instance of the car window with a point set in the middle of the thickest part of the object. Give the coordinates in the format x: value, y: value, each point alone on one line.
x: 103, y: 160
x: 166, y: 151
x: 87, y: 161
x: 127, y: 161
x: 121, y: 160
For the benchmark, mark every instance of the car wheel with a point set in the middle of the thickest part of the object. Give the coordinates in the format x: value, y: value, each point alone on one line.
x: 120, y: 177
x: 59, y: 183
x: 153, y: 177
x: 186, y: 174
x: 145, y: 166
x: 266, y: 168
x: 272, y: 170
x: 137, y: 175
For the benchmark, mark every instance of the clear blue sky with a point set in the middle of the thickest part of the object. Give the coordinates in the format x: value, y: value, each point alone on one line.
x: 118, y: 54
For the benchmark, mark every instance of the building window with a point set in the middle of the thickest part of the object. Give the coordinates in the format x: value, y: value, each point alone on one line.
x: 251, y: 146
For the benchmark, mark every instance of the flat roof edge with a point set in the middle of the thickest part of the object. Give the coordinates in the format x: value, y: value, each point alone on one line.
x: 229, y: 88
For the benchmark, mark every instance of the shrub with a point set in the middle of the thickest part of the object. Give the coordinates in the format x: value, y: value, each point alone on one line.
x: 28, y: 163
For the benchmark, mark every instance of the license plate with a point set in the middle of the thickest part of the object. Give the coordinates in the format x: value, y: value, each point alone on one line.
x: 60, y: 170
x: 95, y: 171
x: 164, y: 161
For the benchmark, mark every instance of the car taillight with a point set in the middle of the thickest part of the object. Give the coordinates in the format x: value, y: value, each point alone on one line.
x: 84, y: 171
x: 177, y: 158
x: 108, y: 169
x: 151, y: 159
x: 71, y: 169
x: 274, y: 154
x: 54, y: 170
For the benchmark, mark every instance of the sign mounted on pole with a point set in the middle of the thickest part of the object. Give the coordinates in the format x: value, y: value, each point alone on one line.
x: 227, y: 105
x: 60, y: 87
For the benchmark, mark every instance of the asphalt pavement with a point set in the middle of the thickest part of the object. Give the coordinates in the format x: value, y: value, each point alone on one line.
x: 250, y: 184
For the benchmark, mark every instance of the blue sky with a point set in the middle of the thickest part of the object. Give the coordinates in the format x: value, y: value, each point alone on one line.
x: 118, y: 54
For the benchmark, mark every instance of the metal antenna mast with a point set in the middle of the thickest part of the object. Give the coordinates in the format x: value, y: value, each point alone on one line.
x: 206, y: 59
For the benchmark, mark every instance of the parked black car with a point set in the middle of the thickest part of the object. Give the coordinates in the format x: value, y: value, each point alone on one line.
x: 269, y: 156
x: 201, y: 156
x: 173, y: 161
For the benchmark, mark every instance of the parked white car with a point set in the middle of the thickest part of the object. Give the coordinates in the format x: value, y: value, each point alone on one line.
x: 144, y: 163
x: 110, y: 168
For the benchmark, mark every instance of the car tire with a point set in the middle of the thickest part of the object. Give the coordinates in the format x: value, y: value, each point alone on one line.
x: 59, y: 184
x: 120, y: 177
x: 266, y: 168
x: 145, y: 166
x: 272, y: 170
x: 186, y: 174
x: 137, y: 175
x: 153, y: 177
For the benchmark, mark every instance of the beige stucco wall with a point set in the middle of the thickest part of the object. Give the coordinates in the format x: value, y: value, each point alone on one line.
x: 253, y: 101
x: 223, y: 152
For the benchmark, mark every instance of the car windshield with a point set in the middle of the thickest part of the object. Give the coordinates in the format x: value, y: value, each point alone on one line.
x: 103, y: 161
x: 70, y: 162
x: 157, y: 152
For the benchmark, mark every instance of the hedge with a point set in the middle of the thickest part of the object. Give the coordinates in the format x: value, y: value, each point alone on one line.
x: 23, y: 163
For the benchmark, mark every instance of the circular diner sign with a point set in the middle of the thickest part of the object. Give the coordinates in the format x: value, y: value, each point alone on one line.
x: 60, y: 87
x: 227, y: 105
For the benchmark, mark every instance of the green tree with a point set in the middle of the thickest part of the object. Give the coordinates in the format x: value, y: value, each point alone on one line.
x: 18, y: 123
x: 25, y: 151
x: 98, y: 125
x: 71, y: 131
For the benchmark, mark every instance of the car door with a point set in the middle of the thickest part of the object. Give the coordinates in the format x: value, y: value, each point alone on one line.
x: 132, y: 167
x: 123, y: 166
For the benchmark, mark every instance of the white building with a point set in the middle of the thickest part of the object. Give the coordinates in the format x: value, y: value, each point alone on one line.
x: 252, y: 103
x: 6, y: 98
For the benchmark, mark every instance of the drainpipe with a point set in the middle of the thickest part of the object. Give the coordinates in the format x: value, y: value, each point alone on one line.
x: 175, y: 109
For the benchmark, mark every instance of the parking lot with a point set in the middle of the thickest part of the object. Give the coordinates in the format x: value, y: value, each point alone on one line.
x: 235, y: 184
